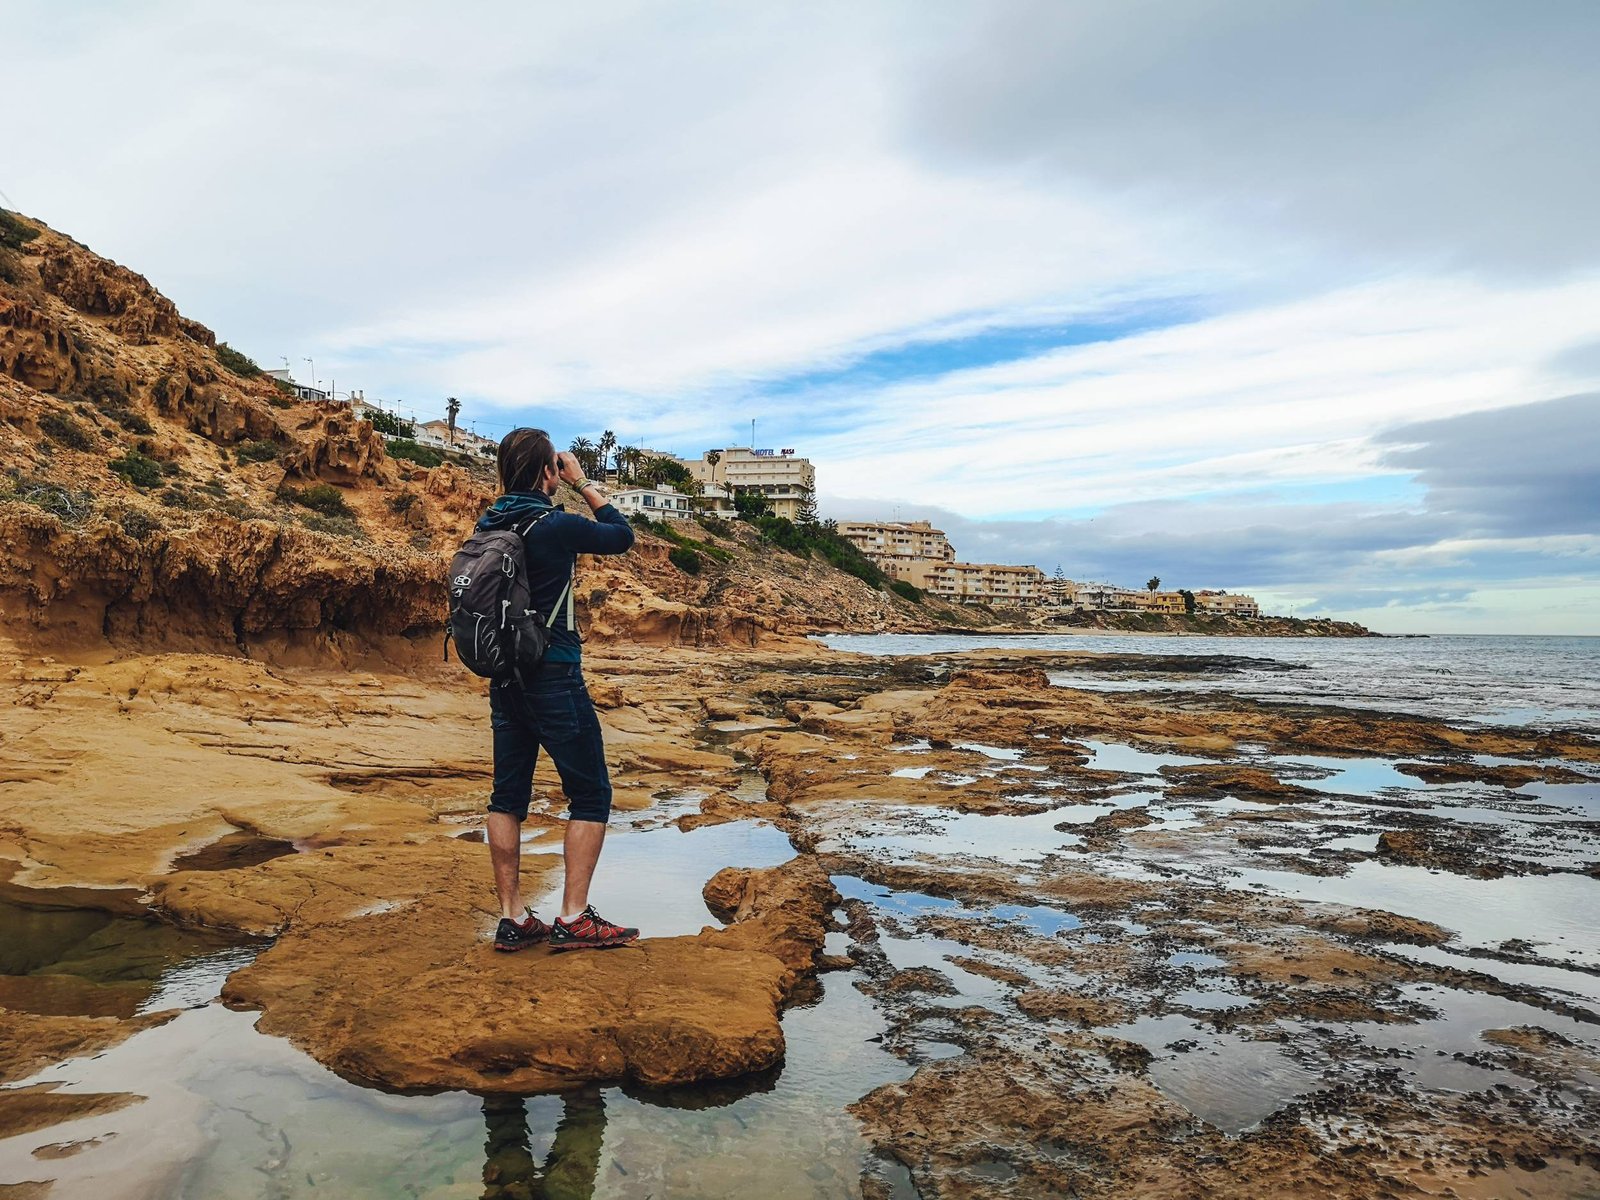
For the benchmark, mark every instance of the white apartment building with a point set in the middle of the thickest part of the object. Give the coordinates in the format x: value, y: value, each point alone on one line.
x: 979, y: 583
x: 653, y: 502
x: 898, y: 547
x: 437, y: 433
x: 779, y: 475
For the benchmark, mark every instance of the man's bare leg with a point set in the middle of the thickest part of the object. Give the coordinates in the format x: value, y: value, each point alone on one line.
x: 505, y: 854
x: 581, y: 850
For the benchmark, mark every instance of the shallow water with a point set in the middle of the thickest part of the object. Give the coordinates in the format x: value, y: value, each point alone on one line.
x: 1509, y: 680
x: 231, y: 1112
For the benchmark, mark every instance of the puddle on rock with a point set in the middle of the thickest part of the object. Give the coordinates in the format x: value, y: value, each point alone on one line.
x: 1225, y: 1080
x: 232, y: 852
x: 83, y: 962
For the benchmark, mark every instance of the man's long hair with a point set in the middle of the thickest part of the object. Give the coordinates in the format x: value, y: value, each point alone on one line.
x: 525, y: 455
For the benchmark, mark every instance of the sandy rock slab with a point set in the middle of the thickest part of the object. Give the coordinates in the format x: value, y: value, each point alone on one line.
x: 418, y: 1000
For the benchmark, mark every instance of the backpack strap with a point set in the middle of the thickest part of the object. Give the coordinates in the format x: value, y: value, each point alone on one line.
x: 566, y: 592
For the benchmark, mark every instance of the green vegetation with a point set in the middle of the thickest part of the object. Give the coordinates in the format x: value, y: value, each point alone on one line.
x: 64, y: 431
x: 139, y: 469
x: 423, y: 456
x: 112, y: 399
x: 403, y: 502
x: 178, y: 496
x: 336, y: 526
x: 138, y: 525
x: 14, y: 234
x: 1189, y: 604
x: 665, y: 529
x: 321, y: 498
x: 133, y: 422
x: 823, y: 541
x: 390, y: 425
x: 906, y: 590
x: 715, y: 525
x: 685, y: 559
x: 255, y: 452
x: 239, y: 364
x: 71, y: 507
x: 751, y: 505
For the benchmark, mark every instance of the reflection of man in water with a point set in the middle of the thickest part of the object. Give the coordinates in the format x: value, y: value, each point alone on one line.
x: 568, y: 1173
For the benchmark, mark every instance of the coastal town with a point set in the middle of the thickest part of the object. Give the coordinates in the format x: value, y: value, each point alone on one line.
x: 727, y: 481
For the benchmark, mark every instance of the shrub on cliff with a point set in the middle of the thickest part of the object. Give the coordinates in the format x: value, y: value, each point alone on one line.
x: 138, y: 525
x: 64, y: 431
x: 138, y: 469
x: 826, y: 543
x: 13, y: 235
x: 72, y: 507
x: 321, y: 498
x: 239, y: 364
x: 685, y: 559
x: 667, y: 529
x: 255, y: 452
x: 423, y: 456
x: 906, y: 590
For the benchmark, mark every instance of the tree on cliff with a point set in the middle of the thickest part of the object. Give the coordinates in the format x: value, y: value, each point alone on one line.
x: 452, y: 410
x: 751, y: 505
x: 1188, y: 601
x: 606, y: 444
x: 1153, y: 582
x: 807, y: 514
x: 389, y: 423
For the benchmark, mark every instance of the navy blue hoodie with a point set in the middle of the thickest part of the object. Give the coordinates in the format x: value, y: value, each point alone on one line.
x: 553, y: 546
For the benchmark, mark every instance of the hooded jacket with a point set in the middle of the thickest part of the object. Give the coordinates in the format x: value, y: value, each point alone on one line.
x: 552, y: 548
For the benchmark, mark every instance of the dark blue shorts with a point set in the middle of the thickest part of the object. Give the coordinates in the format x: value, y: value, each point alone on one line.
x: 552, y: 709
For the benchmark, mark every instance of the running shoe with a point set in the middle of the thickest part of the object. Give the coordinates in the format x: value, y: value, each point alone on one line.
x: 588, y: 930
x: 512, y: 935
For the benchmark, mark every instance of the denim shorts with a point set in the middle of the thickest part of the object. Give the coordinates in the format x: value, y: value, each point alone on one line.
x: 551, y: 708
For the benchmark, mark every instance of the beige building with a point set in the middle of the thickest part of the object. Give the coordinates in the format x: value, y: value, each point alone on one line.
x: 898, y: 547
x: 1161, y: 602
x: 1226, y: 603
x: 979, y: 583
x: 779, y: 475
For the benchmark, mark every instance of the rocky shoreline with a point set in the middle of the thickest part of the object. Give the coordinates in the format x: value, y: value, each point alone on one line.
x: 1120, y: 945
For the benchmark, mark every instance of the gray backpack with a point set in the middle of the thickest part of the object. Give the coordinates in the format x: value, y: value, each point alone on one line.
x: 496, y: 631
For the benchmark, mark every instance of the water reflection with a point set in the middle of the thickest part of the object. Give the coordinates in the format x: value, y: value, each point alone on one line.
x: 569, y: 1168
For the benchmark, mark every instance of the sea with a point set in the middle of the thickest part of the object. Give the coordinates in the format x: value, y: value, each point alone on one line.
x: 1538, y: 682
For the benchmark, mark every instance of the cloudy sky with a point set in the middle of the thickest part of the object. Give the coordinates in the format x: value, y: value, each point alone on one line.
x: 1302, y: 299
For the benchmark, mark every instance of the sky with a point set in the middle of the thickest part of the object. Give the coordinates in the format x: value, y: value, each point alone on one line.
x: 1295, y: 299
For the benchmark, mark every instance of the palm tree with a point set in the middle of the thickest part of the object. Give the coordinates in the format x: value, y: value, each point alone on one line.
x: 452, y: 410
x: 1153, y: 582
x: 606, y: 444
x: 584, y: 451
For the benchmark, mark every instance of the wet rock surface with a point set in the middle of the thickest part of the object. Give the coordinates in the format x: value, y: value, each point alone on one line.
x: 1115, y: 945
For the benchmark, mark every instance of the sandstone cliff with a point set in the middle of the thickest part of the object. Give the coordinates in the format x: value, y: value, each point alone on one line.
x: 151, y: 496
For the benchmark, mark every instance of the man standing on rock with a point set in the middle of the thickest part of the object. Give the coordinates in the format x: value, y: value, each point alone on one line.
x: 550, y: 708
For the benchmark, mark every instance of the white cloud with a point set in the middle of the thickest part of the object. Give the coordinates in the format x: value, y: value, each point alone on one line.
x: 1286, y: 394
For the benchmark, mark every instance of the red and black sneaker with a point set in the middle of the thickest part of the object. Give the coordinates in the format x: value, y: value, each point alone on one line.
x: 589, y: 929
x: 512, y: 935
